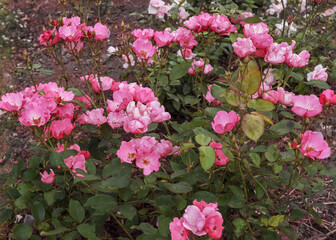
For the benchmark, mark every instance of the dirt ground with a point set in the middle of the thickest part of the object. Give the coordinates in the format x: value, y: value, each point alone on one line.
x: 35, y: 14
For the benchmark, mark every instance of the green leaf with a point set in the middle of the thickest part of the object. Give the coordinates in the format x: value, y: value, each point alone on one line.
x: 87, y: 230
x: 240, y: 226
x: 102, y: 203
x: 146, y: 228
x: 79, y: 103
x: 261, y: 105
x: 205, y: 196
x: 254, y: 19
x: 217, y: 92
x: 272, y: 153
x: 277, y: 167
x: 5, y: 214
x: 164, y: 225
x: 75, y: 91
x: 252, y: 80
x: 253, y: 126
x: 276, y: 220
x: 116, y: 182
x: 22, y: 231
x: 128, y: 211
x: 181, y: 187
x: 207, y: 157
x: 55, y: 231
x: 202, y: 139
x: 179, y: 70
x: 38, y: 211
x: 50, y: 197
x: 319, y: 84
x: 255, y: 158
x: 284, y: 127
x: 76, y: 210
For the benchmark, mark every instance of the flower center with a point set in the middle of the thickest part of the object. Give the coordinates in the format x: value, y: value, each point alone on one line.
x: 37, y: 121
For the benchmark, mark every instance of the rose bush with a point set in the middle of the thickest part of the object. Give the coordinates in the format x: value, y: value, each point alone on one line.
x: 196, y: 148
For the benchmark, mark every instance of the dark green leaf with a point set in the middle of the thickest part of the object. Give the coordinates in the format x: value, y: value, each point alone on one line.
x: 102, y: 203
x: 76, y: 210
x: 22, y: 231
x: 179, y: 70
x: 181, y: 187
x: 87, y: 230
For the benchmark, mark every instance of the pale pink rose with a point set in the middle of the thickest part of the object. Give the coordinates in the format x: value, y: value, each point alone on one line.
x: 157, y: 112
x: 12, y: 101
x: 194, y: 220
x: 148, y: 163
x: 35, y: 115
x: 192, y: 23
x: 162, y: 38
x: 185, y: 38
x: 106, y: 83
x: 127, y: 152
x: 199, y: 66
x: 48, y: 178
x: 49, y: 37
x: 327, y: 96
x: 251, y: 30
x: 116, y: 119
x: 143, y: 34
x: 285, y: 98
x: 74, y: 21
x: 221, y: 25
x: 94, y: 117
x: 143, y: 48
x: 60, y: 127
x: 277, y: 53
x: 204, y: 20
x: 306, y: 105
x: 101, y: 32
x: 319, y: 73
x: 225, y: 122
x: 314, y: 146
x: 271, y: 95
x: 221, y: 158
x: 144, y: 95
x: 243, y: 47
x: 70, y: 33
x: 74, y: 162
x: 177, y: 231
x: 262, y: 40
x: 128, y: 60
x: 213, y: 226
x: 298, y: 60
x: 146, y: 145
x: 183, y: 14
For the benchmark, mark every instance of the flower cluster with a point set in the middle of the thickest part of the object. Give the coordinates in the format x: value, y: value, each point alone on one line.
x: 201, y: 218
x: 146, y: 152
x: 259, y: 42
x: 73, y: 32
x: 41, y: 106
x: 211, y: 23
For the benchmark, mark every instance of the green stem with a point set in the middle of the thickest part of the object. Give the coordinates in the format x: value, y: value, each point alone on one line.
x: 121, y: 225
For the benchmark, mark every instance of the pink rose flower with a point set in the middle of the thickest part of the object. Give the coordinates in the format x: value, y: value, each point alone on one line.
x: 60, y: 127
x: 48, y: 178
x: 74, y: 21
x: 251, y: 30
x: 127, y: 152
x: 285, y: 98
x: 243, y: 47
x: 221, y: 158
x: 70, y: 33
x: 49, y: 37
x: 148, y: 163
x: 194, y: 220
x: 306, y: 106
x: 225, y: 122
x: 319, y: 73
x: 221, y: 25
x: 143, y: 34
x: 163, y: 38
x: 177, y: 231
x: 327, y: 96
x: 298, y: 60
x: 210, y: 98
x: 186, y: 53
x: 94, y: 117
x: 271, y: 95
x: 12, y: 101
x: 116, y: 119
x: 314, y: 146
x: 213, y: 226
x: 143, y: 48
x: 277, y: 52
x: 101, y: 32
